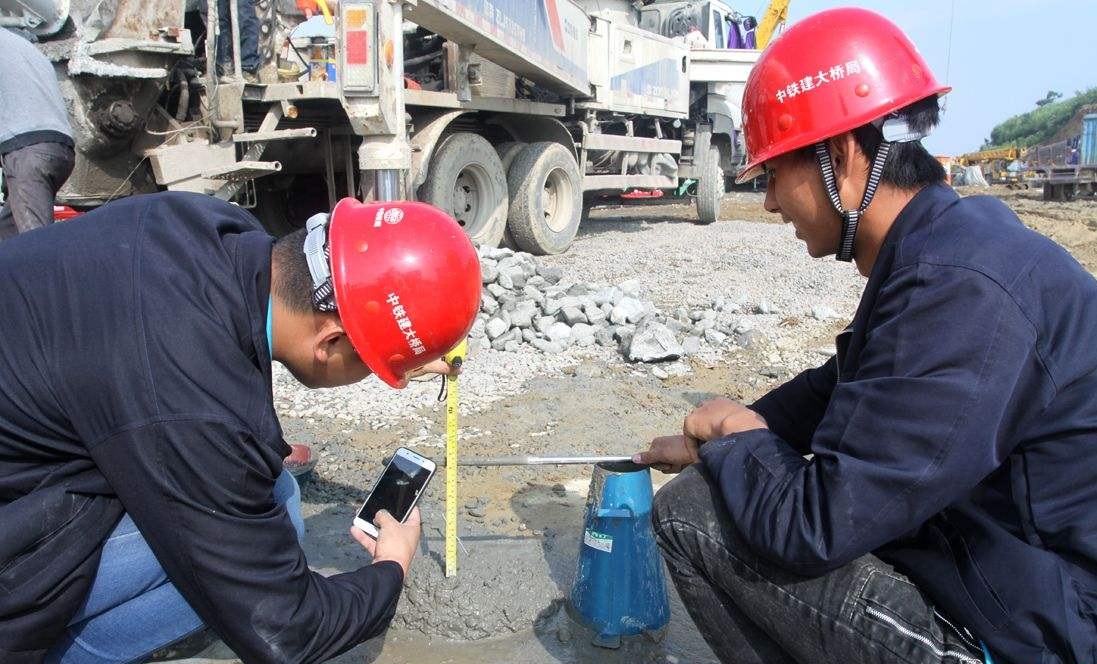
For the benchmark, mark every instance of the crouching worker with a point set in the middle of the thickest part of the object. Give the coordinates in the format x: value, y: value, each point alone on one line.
x: 948, y: 510
x: 142, y: 491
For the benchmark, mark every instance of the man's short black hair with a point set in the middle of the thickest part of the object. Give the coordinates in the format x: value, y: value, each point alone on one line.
x: 909, y: 166
x: 293, y: 286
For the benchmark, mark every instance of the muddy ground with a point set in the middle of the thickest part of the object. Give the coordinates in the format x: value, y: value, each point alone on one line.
x: 520, y: 527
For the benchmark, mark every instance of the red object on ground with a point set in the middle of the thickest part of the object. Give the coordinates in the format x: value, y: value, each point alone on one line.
x: 64, y: 213
x: 300, y: 462
x: 828, y: 74
x: 643, y: 193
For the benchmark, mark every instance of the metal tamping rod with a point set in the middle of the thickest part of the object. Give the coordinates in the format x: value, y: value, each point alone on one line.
x: 542, y: 461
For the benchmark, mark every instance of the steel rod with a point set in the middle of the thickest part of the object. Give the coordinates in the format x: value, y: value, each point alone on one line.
x: 541, y: 461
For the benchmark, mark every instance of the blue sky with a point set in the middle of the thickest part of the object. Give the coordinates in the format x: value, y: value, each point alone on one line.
x: 1006, y: 54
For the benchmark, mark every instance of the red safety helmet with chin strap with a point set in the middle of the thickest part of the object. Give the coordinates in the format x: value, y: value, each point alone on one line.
x: 830, y: 73
x: 403, y: 276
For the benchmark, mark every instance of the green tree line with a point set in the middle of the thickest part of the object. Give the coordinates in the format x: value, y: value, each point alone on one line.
x: 1040, y: 125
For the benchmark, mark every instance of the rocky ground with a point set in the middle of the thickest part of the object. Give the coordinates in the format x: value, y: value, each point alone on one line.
x: 739, y: 301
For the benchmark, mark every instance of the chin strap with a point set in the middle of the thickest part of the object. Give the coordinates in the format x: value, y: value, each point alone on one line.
x: 850, y: 218
x: 317, y: 253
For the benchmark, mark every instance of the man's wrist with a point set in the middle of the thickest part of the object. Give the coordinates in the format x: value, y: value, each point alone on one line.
x: 404, y: 566
x: 740, y: 422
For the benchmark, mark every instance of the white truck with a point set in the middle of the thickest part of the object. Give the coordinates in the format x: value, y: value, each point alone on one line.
x: 515, y: 116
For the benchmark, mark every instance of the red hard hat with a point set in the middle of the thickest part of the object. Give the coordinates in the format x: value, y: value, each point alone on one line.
x: 828, y: 74
x: 406, y: 281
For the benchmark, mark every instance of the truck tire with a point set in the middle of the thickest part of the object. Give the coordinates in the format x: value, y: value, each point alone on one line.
x: 546, y: 198
x: 507, y: 152
x: 466, y: 180
x: 710, y: 189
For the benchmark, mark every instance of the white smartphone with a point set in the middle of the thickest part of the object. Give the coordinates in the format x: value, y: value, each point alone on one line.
x: 397, y: 490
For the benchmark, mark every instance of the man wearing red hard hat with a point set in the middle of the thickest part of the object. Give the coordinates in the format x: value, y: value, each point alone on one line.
x: 142, y: 489
x: 927, y: 495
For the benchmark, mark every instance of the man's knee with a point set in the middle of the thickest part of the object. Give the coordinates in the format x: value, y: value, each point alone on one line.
x: 678, y: 499
x: 39, y: 171
x: 288, y: 493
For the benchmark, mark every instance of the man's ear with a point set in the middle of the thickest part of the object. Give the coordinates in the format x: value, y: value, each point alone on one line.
x: 844, y: 155
x: 326, y: 339
x: 850, y: 168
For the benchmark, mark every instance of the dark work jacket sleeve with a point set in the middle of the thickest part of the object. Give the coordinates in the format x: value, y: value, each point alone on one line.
x: 793, y: 410
x: 205, y: 506
x: 915, y: 428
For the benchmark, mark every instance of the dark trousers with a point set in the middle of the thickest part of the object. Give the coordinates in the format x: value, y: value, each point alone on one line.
x: 751, y: 611
x: 32, y: 176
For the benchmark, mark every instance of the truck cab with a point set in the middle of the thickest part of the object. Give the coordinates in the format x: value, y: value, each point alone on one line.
x: 720, y: 24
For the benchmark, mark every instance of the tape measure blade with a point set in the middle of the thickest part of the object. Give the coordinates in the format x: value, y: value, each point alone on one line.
x: 451, y: 477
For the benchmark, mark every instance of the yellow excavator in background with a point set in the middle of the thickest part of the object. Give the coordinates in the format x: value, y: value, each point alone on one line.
x: 995, y: 165
x: 983, y: 156
x: 772, y: 22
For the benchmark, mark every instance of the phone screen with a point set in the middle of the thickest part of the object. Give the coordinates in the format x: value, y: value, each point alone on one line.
x: 397, y: 490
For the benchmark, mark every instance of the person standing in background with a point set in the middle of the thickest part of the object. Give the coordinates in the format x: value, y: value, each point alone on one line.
x: 36, y: 142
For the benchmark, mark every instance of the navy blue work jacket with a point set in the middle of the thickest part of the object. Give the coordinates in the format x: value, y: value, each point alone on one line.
x: 135, y: 376
x: 954, y: 435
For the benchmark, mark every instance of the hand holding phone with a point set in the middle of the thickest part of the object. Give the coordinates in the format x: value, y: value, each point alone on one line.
x: 387, y: 515
x: 395, y: 541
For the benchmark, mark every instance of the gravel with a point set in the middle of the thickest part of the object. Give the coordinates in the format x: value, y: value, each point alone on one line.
x: 489, y: 376
x: 677, y: 263
x: 726, y: 288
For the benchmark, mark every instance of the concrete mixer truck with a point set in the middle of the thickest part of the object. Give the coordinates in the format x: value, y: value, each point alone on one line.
x: 515, y: 116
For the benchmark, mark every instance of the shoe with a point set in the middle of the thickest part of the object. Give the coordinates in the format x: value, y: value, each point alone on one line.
x: 267, y: 74
x: 186, y: 648
x: 300, y: 463
x: 226, y: 75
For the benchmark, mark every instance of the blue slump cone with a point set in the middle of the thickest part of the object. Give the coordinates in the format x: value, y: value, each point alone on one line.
x: 619, y: 586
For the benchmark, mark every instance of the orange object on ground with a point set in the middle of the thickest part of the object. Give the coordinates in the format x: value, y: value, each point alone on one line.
x: 300, y: 461
x: 64, y: 213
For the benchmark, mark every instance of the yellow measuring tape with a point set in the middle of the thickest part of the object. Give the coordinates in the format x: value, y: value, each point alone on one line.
x: 454, y: 358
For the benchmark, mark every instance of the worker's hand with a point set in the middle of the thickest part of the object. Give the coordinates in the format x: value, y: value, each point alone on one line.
x: 395, y: 541
x: 720, y: 417
x: 438, y: 366
x: 669, y: 454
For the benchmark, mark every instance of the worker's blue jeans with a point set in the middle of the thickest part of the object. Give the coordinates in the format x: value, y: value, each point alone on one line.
x: 132, y: 608
x: 751, y: 611
x: 250, y: 60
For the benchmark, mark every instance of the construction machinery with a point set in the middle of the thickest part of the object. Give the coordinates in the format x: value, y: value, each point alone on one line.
x: 1066, y: 169
x: 999, y: 166
x: 772, y: 21
x: 513, y: 115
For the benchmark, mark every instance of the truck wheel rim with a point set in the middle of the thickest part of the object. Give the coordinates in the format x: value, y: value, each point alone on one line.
x: 470, y: 202
x: 559, y: 200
